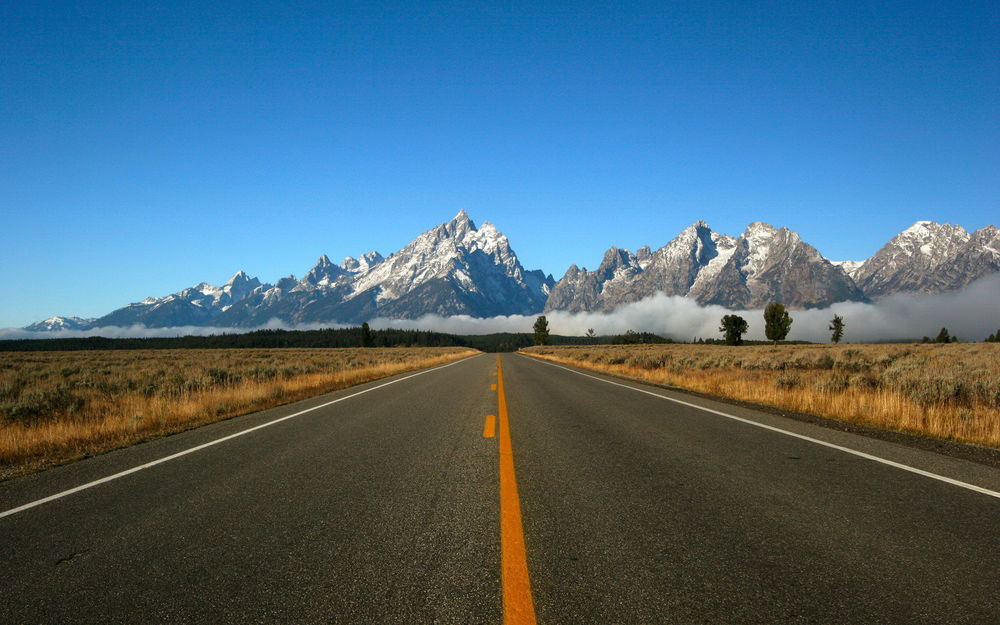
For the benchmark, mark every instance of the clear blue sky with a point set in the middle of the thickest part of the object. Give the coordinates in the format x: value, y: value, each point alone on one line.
x: 145, y: 147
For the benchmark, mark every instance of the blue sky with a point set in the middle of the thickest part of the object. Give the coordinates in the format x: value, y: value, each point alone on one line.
x: 145, y: 147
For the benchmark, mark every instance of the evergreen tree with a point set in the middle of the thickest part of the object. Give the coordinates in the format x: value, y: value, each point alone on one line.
x: 541, y: 331
x: 366, y: 335
x: 734, y: 327
x: 837, y: 327
x: 943, y: 336
x: 591, y: 335
x: 777, y: 322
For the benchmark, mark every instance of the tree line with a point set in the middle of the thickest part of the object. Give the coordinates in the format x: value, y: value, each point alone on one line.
x: 777, y: 325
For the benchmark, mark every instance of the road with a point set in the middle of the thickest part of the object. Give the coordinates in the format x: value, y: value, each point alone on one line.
x: 394, y: 506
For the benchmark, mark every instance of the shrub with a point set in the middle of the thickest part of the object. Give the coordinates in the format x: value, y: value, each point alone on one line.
x: 46, y: 403
x: 835, y: 383
x: 787, y: 381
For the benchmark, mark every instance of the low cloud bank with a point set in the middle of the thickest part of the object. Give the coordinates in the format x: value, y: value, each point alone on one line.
x: 971, y: 314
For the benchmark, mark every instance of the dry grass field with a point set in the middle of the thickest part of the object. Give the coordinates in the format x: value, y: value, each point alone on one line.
x: 947, y: 391
x: 57, y: 406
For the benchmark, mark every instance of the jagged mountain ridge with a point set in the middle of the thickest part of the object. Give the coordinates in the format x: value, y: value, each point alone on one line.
x: 767, y: 264
x: 454, y: 268
x: 929, y: 257
x: 54, y: 324
x: 763, y: 264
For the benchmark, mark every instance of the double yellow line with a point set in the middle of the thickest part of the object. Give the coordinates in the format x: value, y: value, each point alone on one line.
x: 518, y: 606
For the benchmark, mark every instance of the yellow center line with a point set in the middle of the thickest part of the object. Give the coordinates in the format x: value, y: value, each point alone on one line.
x: 518, y: 606
x: 489, y: 430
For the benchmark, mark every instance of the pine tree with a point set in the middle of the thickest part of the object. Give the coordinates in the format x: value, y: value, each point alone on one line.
x: 541, y: 328
x: 837, y: 327
x: 734, y: 327
x: 366, y: 335
x: 943, y: 336
x: 777, y: 322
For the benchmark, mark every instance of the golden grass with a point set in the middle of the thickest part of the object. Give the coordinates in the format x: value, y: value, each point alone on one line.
x: 945, y: 391
x: 57, y: 406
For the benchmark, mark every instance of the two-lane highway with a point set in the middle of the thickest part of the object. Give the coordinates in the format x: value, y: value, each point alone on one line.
x: 394, y: 506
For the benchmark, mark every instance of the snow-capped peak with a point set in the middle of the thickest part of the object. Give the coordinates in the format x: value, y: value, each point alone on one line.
x: 323, y: 274
x: 920, y: 226
x: 459, y: 226
x: 929, y: 239
x: 363, y: 264
x: 239, y: 276
x: 60, y: 323
x: 454, y: 251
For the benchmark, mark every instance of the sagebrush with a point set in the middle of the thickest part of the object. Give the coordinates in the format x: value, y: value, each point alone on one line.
x: 950, y: 391
x: 56, y: 406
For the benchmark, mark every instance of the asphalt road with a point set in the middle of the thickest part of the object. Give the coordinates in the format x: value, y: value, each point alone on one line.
x: 385, y: 507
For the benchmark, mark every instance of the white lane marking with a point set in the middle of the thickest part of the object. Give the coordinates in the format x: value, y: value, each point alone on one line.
x: 935, y: 476
x: 210, y: 443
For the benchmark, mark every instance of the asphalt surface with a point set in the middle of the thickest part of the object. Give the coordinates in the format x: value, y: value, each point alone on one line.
x: 383, y: 508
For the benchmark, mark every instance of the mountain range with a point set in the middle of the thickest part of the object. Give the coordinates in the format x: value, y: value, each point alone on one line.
x: 459, y: 269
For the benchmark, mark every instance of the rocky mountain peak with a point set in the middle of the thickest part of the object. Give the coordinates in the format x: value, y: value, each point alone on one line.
x: 54, y: 324
x: 321, y: 275
x: 928, y: 257
x: 759, y: 227
x: 455, y: 268
x: 365, y: 263
x: 986, y: 233
x: 616, y: 261
x: 239, y: 278
x: 764, y: 264
x: 459, y: 226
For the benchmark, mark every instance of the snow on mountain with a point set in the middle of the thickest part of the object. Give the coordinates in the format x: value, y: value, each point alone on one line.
x: 54, y: 324
x: 850, y: 267
x: 457, y: 268
x: 196, y: 305
x: 454, y: 268
x: 363, y: 264
x: 929, y: 257
x: 764, y: 264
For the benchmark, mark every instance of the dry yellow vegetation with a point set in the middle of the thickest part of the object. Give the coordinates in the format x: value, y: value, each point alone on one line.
x: 56, y: 406
x: 947, y: 391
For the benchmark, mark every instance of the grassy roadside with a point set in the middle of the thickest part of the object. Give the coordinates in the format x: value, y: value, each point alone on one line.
x: 951, y: 392
x: 60, y: 406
